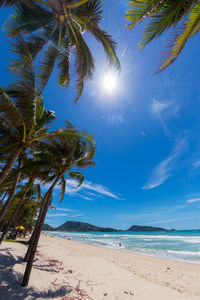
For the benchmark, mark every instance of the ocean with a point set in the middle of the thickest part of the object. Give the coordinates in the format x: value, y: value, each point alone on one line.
x: 178, y: 245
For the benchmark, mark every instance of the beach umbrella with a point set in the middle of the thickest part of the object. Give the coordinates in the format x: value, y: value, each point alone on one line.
x: 20, y: 227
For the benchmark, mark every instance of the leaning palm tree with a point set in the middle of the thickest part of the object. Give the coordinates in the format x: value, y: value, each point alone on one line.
x: 181, y: 17
x: 16, y: 175
x: 59, y: 26
x: 59, y: 155
x: 23, y: 118
x: 22, y: 197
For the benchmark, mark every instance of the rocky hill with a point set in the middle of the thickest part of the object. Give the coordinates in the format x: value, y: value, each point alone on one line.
x: 86, y: 227
x: 145, y: 228
x: 82, y: 227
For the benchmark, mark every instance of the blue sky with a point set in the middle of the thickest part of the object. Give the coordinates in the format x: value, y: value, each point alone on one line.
x: 147, y: 132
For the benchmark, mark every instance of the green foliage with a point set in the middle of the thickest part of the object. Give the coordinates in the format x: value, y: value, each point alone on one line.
x: 58, y: 27
x: 23, y: 118
x: 28, y: 209
x: 59, y: 154
x: 181, y: 17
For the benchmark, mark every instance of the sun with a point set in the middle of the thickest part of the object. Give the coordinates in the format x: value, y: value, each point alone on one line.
x: 109, y: 83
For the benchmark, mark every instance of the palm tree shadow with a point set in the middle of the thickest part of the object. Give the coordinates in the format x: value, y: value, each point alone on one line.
x: 10, y: 287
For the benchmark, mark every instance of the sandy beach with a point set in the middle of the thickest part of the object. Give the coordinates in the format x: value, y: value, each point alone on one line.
x: 70, y: 270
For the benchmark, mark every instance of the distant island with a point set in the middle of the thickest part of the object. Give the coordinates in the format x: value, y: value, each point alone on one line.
x: 86, y: 227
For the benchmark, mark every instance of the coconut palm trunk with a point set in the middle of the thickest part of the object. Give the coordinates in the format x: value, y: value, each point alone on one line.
x: 16, y: 210
x: 4, y: 173
x: 33, y: 245
x: 30, y: 242
x: 12, y: 192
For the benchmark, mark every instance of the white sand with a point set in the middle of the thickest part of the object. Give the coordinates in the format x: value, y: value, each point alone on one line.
x: 71, y: 270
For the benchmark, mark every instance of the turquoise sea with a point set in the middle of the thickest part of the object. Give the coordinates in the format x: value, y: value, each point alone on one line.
x: 179, y: 245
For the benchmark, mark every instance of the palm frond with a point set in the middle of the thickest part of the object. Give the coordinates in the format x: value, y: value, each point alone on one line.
x: 138, y: 10
x: 170, y: 14
x: 47, y: 64
x: 44, y: 117
x: 27, y: 19
x: 84, y: 62
x: 24, y: 89
x: 37, y: 190
x: 192, y: 25
x: 7, y: 2
x: 64, y: 64
x: 9, y: 111
x: 107, y: 42
x: 62, y: 183
x: 77, y: 176
x: 77, y: 3
x: 83, y: 163
x: 91, y: 11
x: 36, y: 43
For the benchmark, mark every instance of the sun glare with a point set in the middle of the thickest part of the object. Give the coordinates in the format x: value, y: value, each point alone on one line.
x: 110, y: 83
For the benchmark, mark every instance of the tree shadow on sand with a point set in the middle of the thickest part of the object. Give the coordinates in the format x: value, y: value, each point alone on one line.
x: 10, y: 280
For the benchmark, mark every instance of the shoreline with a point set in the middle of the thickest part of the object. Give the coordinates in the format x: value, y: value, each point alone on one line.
x: 125, y: 250
x: 67, y: 268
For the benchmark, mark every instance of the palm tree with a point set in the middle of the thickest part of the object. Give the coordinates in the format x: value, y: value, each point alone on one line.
x: 59, y: 26
x: 29, y: 189
x: 181, y: 17
x: 17, y: 174
x: 59, y: 155
x: 23, y: 118
x: 12, y: 2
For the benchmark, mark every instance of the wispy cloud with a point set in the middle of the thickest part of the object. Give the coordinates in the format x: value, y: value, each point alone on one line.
x: 85, y: 189
x: 165, y: 168
x: 99, y: 189
x: 150, y: 214
x: 56, y: 215
x: 196, y: 164
x: 160, y: 215
x: 88, y: 190
x: 64, y: 209
x: 174, y: 220
x: 76, y: 215
x: 94, y: 195
x: 159, y: 107
x: 163, y: 111
x: 193, y: 200
x: 115, y: 118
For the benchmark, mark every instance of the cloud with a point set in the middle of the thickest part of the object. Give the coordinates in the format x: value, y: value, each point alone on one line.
x: 63, y: 209
x: 56, y: 215
x: 85, y: 189
x: 196, y: 164
x: 93, y: 194
x: 159, y: 107
x: 164, y: 110
x: 99, y: 189
x: 160, y: 215
x: 115, y: 118
x: 175, y: 220
x: 165, y: 168
x: 76, y: 215
x: 123, y: 52
x: 193, y: 200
